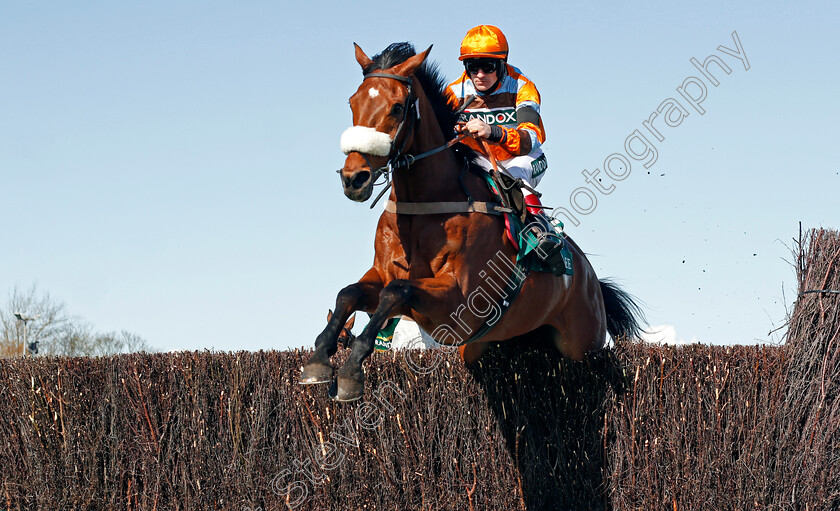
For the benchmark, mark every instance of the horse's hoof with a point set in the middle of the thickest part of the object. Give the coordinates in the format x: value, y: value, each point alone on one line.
x: 316, y: 373
x: 346, y: 390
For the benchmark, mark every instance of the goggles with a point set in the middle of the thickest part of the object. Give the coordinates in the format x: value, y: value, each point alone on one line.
x: 488, y: 66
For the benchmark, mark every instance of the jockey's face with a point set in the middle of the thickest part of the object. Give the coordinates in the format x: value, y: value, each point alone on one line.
x: 483, y: 74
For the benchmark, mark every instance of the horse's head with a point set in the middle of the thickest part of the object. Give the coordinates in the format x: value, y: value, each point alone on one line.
x: 384, y: 113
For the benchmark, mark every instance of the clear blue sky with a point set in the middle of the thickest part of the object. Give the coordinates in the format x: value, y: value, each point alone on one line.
x: 169, y: 168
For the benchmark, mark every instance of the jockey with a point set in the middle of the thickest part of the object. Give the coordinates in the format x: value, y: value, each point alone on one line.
x: 505, y: 111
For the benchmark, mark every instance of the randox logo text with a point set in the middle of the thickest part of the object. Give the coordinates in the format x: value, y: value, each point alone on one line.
x: 506, y: 116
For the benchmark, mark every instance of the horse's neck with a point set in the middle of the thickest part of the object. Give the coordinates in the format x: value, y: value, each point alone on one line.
x: 434, y: 178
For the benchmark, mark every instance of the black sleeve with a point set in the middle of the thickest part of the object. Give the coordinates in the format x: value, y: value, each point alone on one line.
x: 527, y: 114
x: 496, y: 133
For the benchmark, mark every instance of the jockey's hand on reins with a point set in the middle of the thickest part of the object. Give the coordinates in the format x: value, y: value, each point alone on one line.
x: 474, y: 128
x: 483, y: 144
x: 479, y: 128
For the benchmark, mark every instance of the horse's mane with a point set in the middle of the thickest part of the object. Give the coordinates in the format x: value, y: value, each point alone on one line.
x: 433, y: 82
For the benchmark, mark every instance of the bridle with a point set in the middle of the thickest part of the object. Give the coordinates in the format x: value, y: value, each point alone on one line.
x: 396, y: 155
x: 396, y: 159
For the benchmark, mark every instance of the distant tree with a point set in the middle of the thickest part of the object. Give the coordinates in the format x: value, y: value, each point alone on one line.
x: 54, y: 332
x: 131, y: 343
x: 50, y: 321
x: 111, y: 343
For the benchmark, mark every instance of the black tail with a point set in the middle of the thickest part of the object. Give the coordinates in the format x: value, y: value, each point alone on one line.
x: 623, y: 314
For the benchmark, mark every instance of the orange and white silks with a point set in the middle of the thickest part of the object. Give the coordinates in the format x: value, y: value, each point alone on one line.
x: 499, y: 108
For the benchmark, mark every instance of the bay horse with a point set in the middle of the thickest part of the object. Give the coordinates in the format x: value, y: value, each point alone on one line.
x: 430, y: 264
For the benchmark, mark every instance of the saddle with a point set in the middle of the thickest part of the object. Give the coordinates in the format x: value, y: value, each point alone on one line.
x: 508, y: 191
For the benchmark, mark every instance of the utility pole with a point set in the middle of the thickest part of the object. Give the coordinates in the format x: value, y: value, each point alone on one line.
x: 25, y: 320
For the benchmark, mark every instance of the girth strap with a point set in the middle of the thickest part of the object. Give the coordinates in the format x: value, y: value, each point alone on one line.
x: 437, y: 208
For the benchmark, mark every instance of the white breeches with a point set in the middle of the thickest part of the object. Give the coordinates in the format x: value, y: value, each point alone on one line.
x: 530, y: 167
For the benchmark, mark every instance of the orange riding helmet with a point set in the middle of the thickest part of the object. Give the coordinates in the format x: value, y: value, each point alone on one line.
x: 484, y: 41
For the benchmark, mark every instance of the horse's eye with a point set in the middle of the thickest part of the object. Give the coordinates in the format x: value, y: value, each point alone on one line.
x: 397, y: 110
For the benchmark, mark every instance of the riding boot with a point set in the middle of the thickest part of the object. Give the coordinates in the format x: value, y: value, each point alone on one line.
x: 549, y: 248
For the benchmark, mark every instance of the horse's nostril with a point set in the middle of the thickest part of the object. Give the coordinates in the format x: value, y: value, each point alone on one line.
x: 360, y: 179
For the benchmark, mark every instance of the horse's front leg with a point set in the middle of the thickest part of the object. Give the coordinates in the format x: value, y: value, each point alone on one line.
x: 361, y: 295
x: 396, y: 298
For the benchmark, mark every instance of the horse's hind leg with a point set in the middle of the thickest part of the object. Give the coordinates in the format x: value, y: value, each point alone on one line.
x: 350, y: 299
x: 470, y: 353
x: 582, y: 329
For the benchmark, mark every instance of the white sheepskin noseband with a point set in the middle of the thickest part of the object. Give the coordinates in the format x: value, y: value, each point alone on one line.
x: 365, y: 140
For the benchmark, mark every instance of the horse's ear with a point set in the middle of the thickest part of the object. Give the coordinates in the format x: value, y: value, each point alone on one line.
x: 408, y: 67
x: 329, y: 315
x: 361, y: 58
x: 350, y: 322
